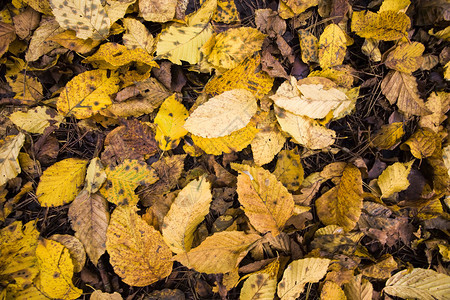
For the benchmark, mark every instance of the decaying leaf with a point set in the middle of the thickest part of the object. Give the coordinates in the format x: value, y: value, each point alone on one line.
x: 75, y: 247
x: 69, y: 40
x: 438, y: 103
x: 394, y: 178
x: 332, y: 291
x: 185, y: 214
x: 37, y: 119
x: 385, y: 25
x: 359, y: 288
x: 261, y: 284
x: 95, y: 176
x: 423, y: 143
x: 9, y: 151
x: 289, y: 169
x: 309, y: 45
x: 406, y: 57
x: 226, y: 12
x: 137, y: 36
x: 388, y: 136
x: 266, y: 202
x: 219, y: 253
x: 137, y: 251
x: 28, y: 89
x: 332, y: 46
x: 8, y: 34
x: 381, y: 269
x: 61, y: 182
x: 157, y: 11
x: 41, y: 41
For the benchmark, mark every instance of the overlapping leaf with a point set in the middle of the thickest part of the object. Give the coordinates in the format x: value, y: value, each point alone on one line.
x: 9, y: 151
x: 37, y: 119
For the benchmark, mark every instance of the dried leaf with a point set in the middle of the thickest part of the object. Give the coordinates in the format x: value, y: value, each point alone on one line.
x: 95, y: 176
x: 41, y: 41
x: 289, y: 169
x: 89, y: 217
x: 87, y: 93
x: 332, y: 46
x: 300, y: 6
x: 137, y: 36
x: 37, y: 119
x: 342, y: 75
x: 332, y: 291
x: 28, y: 89
x: 157, y: 11
x: 358, y: 288
x: 394, y: 178
x: 370, y: 48
x: 381, y: 269
x: 385, y: 25
x: 186, y: 213
x: 223, y: 114
x: 75, y: 247
x: 388, y: 136
x: 395, y: 5
x: 259, y: 286
x: 61, y: 182
x: 99, y: 295
x: 116, y: 9
x: 68, y: 40
x: 309, y: 45
x: 266, y: 202
x: 406, y: 57
x: 341, y: 205
x: 219, y: 253
x: 9, y: 151
x: 423, y: 143
x: 439, y: 104
x: 226, y: 12
x: 137, y: 251
x: 42, y: 6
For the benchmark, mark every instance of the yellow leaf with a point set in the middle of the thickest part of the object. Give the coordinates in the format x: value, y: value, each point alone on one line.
x: 266, y: 202
x: 42, y: 6
x: 89, y: 217
x: 305, y: 131
x: 18, y: 266
x: 309, y: 45
x: 418, y: 284
x: 116, y: 9
x: 260, y: 286
x: 137, y: 36
x: 9, y: 151
x: 61, y: 182
x: 298, y: 273
x: 87, y: 93
x: 359, y: 288
x: 56, y: 271
x: 219, y: 253
x: 289, y: 169
x: 346, y: 106
x: 226, y: 12
x: 36, y: 119
x: 185, y: 214
x: 75, y: 247
x: 99, y: 295
x: 423, y: 143
x: 233, y: 46
x: 300, y: 6
x: 442, y: 34
x: 123, y: 179
x: 386, y: 25
x: 28, y: 89
x: 69, y: 40
x: 313, y: 97
x: 247, y: 75
x: 388, y: 136
x: 394, y: 178
x: 447, y: 71
x: 95, y: 176
x: 41, y: 41
x: 88, y: 18
x: 370, y: 48
x: 223, y: 114
x: 402, y: 88
x: 137, y: 251
x: 395, y: 5
x: 268, y: 141
x: 113, y: 55
x: 382, y: 269
x: 203, y: 14
x: 178, y: 43
x: 341, y: 205
x: 170, y: 120
x: 157, y: 10
x: 406, y: 57
x: 332, y: 46
x: 439, y: 104
x: 341, y: 75
x: 332, y: 291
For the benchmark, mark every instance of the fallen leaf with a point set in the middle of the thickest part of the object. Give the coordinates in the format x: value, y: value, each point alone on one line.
x: 289, y: 169
x: 137, y: 251
x: 69, y: 40
x: 388, y: 136
x: 28, y: 89
x: 61, y: 182
x: 395, y: 5
x: 332, y: 46
x: 226, y: 12
x: 9, y: 152
x: 370, y: 48
x: 423, y: 143
x: 359, y: 288
x: 42, y: 6
x: 341, y: 75
x: 385, y: 25
x: 26, y: 22
x: 37, y: 119
x: 394, y: 178
x: 99, y: 295
x: 137, y: 36
x: 272, y: 66
x: 439, y: 104
x: 406, y: 57
x: 116, y: 9
x: 75, y: 247
x: 309, y: 45
x: 382, y: 269
x: 157, y: 11
x: 40, y: 42
x: 299, y: 7
x: 332, y: 291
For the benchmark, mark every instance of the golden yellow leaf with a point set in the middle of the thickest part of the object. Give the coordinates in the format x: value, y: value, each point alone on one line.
x: 137, y: 36
x: 185, y: 214
x: 42, y: 6
x: 439, y: 104
x: 99, y: 295
x: 394, y: 178
x: 300, y: 6
x: 305, y: 131
x: 88, y: 18
x: 233, y: 46
x: 406, y: 57
x: 9, y: 151
x: 385, y: 25
x: 332, y: 291
x: 178, y: 43
x: 170, y: 120
x: 56, y: 271
x: 382, y: 269
x: 300, y: 272
x: 137, y: 251
x: 345, y: 107
x: 87, y: 93
x: 395, y: 5
x: 18, y: 266
x: 447, y: 71
x: 89, y: 217
x: 388, y: 136
x: 332, y: 46
x: 309, y: 45
x: 266, y: 202
x: 419, y: 284
x: 204, y: 14
x: 423, y: 143
x: 116, y: 9
x: 28, y: 89
x: 260, y: 286
x: 341, y: 75
x: 226, y: 12
x: 157, y: 10
x: 95, y: 176
x: 289, y: 169
x: 219, y: 253
x: 341, y: 205
x: 268, y: 141
x: 247, y: 75
x: 370, y: 48
x: 69, y: 40
x: 75, y: 247
x: 61, y: 182
x: 310, y: 99
x: 41, y: 42
x: 222, y: 114
x: 36, y: 119
x: 402, y: 88
x: 123, y: 179
x: 359, y: 288
x: 113, y: 55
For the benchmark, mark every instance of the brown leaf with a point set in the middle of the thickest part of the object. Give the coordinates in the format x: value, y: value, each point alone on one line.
x: 26, y: 22
x: 272, y: 66
x: 7, y: 35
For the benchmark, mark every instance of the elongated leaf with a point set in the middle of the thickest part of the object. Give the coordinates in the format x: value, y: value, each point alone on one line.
x: 358, y: 288
x: 260, y: 286
x: 332, y: 46
x: 186, y: 213
x: 394, y: 178
x: 386, y: 25
x: 9, y: 151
